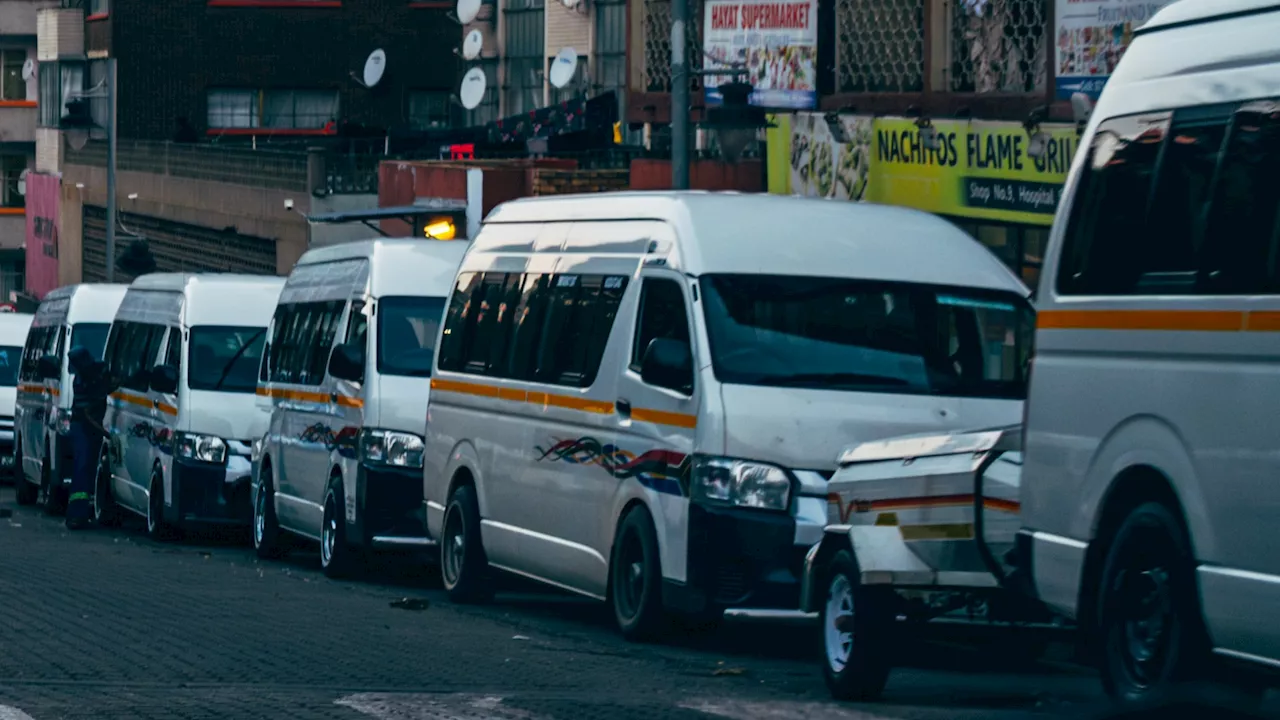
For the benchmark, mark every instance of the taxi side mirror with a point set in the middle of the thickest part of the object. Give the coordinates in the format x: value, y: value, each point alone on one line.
x: 164, y: 379
x: 346, y: 362
x: 49, y: 367
x: 668, y: 364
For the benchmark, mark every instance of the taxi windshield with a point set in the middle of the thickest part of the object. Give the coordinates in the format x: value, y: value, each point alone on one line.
x: 891, y: 337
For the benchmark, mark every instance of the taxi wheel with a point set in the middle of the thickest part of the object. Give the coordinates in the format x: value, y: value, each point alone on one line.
x: 336, y: 556
x: 157, y: 528
x: 1150, y: 629
x: 50, y: 494
x: 635, y: 586
x: 464, y: 568
x: 25, y: 492
x: 857, y: 624
x: 106, y: 513
x: 266, y: 529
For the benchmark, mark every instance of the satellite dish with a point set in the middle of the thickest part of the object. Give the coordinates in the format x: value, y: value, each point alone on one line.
x: 472, y: 90
x: 571, y: 4
x: 28, y: 69
x: 472, y: 44
x: 563, y: 66
x: 374, y: 67
x: 468, y: 10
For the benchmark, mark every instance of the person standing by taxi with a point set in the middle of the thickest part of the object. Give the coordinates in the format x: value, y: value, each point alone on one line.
x: 88, y: 408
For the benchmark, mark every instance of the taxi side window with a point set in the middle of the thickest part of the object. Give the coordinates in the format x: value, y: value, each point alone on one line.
x: 662, y: 315
x: 173, y: 350
x: 1177, y: 203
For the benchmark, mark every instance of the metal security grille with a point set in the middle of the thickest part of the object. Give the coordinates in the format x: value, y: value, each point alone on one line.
x: 657, y: 44
x: 998, y: 46
x: 880, y: 45
x: 177, y: 247
x: 524, y: 25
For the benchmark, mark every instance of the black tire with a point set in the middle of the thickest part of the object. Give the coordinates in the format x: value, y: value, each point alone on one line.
x: 337, y: 558
x: 266, y: 528
x: 106, y: 512
x: 157, y: 528
x: 635, y: 579
x: 25, y: 493
x: 1147, y: 661
x: 857, y: 632
x: 464, y: 568
x: 50, y: 492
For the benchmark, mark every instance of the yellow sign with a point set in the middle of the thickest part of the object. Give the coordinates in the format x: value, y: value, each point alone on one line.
x: 975, y: 169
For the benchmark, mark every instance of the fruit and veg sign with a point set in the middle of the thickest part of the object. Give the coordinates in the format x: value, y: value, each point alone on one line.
x: 775, y: 42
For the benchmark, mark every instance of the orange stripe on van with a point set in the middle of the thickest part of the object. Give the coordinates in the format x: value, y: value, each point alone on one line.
x: 546, y: 400
x: 309, y: 396
x: 1190, y: 320
x: 662, y: 417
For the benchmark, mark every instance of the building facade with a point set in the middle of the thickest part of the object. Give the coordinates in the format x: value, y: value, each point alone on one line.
x: 264, y: 69
x: 18, y: 112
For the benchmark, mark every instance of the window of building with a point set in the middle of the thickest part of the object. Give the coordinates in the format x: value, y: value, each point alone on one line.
x: 609, y: 70
x: 12, y: 86
x: 230, y: 109
x: 98, y: 7
x: 299, y: 109
x: 12, y: 166
x: 428, y: 109
x: 60, y: 82
x: 525, y: 49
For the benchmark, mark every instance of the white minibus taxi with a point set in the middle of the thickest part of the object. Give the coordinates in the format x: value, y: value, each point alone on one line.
x: 13, y: 336
x: 346, y: 376
x: 184, y: 351
x: 641, y: 396
x: 68, y: 317
x: 1151, y: 489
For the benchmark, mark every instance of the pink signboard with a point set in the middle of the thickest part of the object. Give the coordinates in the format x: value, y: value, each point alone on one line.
x: 44, y: 196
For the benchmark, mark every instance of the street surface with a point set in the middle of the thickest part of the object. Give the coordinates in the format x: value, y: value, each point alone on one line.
x: 108, y: 624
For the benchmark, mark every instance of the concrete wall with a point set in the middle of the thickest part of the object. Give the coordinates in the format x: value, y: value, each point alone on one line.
x: 251, y: 210
x: 18, y: 17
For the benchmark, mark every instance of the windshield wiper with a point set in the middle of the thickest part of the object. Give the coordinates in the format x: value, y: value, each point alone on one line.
x: 226, y: 369
x: 835, y: 378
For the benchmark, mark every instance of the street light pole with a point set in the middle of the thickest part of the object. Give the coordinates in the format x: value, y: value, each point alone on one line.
x: 679, y: 96
x: 111, y: 170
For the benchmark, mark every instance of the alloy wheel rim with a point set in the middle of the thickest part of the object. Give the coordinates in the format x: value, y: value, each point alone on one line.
x: 327, y: 534
x: 259, y: 517
x: 1146, y: 602
x: 631, y: 566
x: 455, y: 549
x: 837, y: 643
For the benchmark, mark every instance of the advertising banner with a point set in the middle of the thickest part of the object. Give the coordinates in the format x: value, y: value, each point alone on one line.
x: 44, y: 195
x: 1092, y: 36
x: 978, y: 170
x: 775, y: 41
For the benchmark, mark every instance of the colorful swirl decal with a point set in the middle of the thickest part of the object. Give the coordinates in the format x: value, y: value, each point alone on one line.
x: 658, y: 470
x: 320, y: 434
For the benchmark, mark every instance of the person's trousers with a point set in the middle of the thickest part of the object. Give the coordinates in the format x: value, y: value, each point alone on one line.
x: 84, y: 465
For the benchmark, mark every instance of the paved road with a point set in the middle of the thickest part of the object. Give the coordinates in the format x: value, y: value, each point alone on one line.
x: 107, y: 624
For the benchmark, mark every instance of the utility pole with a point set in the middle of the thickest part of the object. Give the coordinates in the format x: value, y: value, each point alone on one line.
x: 111, y: 170
x: 679, y: 96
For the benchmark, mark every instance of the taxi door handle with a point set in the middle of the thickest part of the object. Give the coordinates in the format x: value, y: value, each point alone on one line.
x: 155, y: 403
x: 333, y: 397
x: 623, y: 407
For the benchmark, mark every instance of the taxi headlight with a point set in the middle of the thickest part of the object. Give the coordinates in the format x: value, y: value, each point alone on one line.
x: 392, y: 448
x: 740, y: 483
x: 201, y: 448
